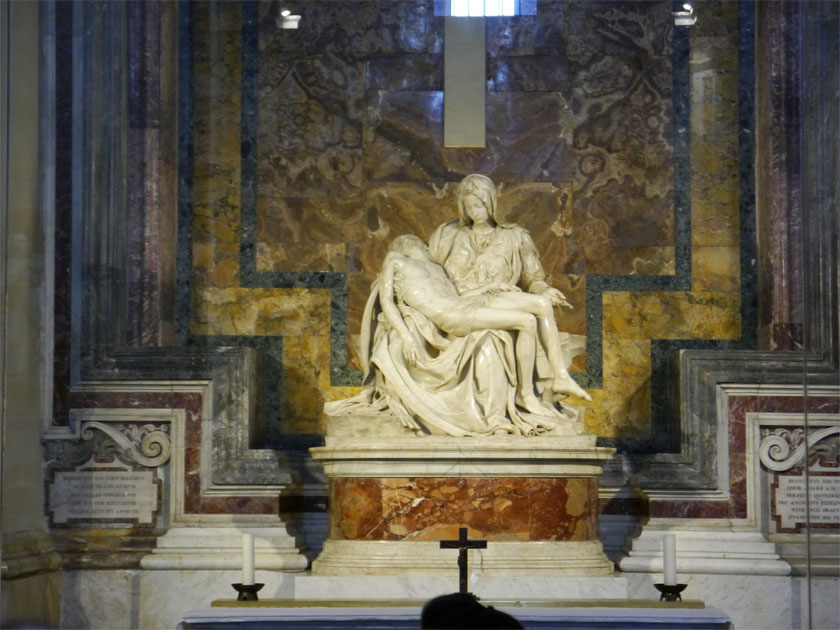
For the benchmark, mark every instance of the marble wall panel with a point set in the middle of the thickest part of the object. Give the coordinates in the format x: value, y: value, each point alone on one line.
x: 63, y: 190
x: 361, y: 28
x: 216, y: 174
x: 430, y: 509
x: 778, y: 186
x: 305, y: 383
x: 621, y: 408
x: 672, y: 315
x: 714, y: 154
x: 622, y: 93
x: 319, y: 146
x: 309, y: 128
x: 281, y: 312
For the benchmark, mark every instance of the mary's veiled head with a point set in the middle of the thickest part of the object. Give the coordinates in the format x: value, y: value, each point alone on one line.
x: 481, y: 187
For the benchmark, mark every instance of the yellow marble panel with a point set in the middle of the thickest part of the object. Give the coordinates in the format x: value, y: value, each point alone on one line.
x: 216, y: 167
x: 283, y: 312
x: 672, y: 315
x: 622, y: 407
x: 716, y: 268
x: 714, y: 142
x: 306, y: 370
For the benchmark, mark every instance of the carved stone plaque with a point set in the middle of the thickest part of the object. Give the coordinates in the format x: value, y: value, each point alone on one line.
x: 103, y: 494
x: 790, y: 500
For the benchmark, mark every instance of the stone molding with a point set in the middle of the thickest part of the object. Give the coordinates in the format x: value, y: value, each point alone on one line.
x: 220, y: 548
x: 363, y: 557
x: 26, y: 553
x: 120, y: 310
x: 225, y: 378
x: 737, y: 545
x: 710, y: 549
x: 462, y: 457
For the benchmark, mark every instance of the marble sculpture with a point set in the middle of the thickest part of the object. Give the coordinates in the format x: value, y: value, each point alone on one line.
x: 459, y: 337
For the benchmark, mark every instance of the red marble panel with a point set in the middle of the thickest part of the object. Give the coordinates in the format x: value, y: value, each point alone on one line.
x: 738, y: 499
x: 239, y: 505
x: 192, y: 493
x: 431, y: 509
x: 192, y: 457
x: 739, y: 405
x: 359, y: 501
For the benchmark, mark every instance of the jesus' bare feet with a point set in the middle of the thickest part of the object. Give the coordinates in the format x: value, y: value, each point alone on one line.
x: 531, y: 404
x: 565, y: 384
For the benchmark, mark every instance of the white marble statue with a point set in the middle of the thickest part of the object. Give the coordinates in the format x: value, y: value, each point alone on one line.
x: 459, y: 338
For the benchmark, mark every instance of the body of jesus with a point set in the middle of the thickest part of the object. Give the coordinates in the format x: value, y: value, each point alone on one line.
x: 410, y: 275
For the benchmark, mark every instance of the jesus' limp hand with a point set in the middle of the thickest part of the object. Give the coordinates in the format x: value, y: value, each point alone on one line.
x: 409, y: 351
x: 557, y: 298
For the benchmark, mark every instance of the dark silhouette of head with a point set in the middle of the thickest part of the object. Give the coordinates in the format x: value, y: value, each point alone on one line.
x: 462, y: 611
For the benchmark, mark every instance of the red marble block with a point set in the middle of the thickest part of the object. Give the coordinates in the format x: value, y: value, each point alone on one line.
x: 431, y: 509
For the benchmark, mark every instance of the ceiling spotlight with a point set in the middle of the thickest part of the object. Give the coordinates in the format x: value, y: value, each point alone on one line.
x: 685, y: 17
x: 287, y: 20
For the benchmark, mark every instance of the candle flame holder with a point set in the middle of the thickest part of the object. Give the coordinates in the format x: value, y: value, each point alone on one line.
x: 670, y: 592
x: 247, y: 592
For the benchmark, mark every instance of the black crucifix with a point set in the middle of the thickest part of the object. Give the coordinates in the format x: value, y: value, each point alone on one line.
x: 462, y: 544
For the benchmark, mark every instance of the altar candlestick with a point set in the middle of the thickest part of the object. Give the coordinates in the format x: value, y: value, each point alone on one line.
x: 247, y: 558
x: 669, y: 559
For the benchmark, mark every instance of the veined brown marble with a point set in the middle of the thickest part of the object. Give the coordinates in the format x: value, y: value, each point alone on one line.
x: 431, y: 509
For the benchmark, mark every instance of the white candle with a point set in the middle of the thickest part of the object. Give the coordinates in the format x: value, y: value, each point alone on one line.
x: 669, y: 559
x: 247, y: 558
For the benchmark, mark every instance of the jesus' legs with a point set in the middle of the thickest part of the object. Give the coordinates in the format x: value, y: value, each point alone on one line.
x: 525, y: 349
x: 542, y: 309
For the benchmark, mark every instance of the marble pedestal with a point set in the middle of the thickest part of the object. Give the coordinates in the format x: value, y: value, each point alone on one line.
x: 393, y: 498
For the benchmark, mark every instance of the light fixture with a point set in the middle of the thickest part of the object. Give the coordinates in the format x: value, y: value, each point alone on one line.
x: 287, y: 20
x: 685, y: 17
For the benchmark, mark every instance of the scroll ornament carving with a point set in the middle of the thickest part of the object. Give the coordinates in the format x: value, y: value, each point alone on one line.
x: 782, y: 449
x: 146, y: 445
